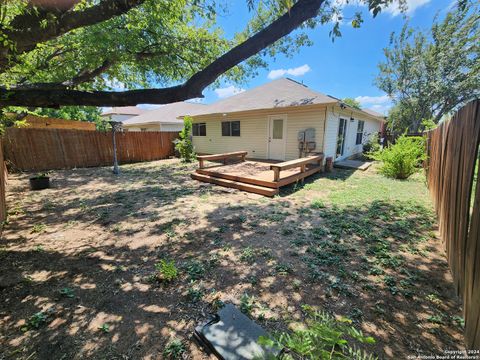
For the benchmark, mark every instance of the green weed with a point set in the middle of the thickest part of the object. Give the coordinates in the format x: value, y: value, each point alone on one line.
x: 322, y: 337
x: 105, y: 328
x: 38, y: 228
x: 195, y: 269
x: 167, y: 270
x: 247, y: 303
x: 67, y: 292
x: 174, y: 349
x: 248, y: 255
x: 195, y: 293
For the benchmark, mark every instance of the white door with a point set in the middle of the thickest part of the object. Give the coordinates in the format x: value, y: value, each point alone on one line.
x: 276, y: 137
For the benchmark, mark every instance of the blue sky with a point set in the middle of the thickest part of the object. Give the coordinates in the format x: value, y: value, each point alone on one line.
x: 344, y: 68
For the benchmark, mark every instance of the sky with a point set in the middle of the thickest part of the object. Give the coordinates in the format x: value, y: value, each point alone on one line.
x: 346, y: 67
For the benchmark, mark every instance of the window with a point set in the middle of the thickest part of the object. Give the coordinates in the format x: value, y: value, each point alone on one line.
x: 360, y: 127
x: 199, y: 129
x: 342, y: 129
x: 230, y: 128
x: 277, y: 131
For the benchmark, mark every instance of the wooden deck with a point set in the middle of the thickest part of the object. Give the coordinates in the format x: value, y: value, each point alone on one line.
x: 260, y: 177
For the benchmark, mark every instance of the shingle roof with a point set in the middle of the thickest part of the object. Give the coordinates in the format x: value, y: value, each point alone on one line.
x: 374, y: 113
x: 124, y: 110
x: 166, y: 114
x: 278, y: 93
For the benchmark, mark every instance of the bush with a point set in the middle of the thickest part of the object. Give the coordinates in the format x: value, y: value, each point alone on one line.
x: 401, y: 160
x: 372, y: 145
x: 184, y: 144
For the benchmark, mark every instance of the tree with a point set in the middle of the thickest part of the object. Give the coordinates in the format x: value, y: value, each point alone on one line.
x: 352, y: 103
x: 71, y: 54
x: 429, y: 75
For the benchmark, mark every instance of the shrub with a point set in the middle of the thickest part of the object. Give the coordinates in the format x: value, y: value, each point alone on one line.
x: 372, y: 145
x: 401, y: 160
x: 166, y: 270
x: 322, y: 337
x: 184, y: 144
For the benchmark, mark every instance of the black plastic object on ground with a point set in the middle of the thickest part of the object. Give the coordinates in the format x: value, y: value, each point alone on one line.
x: 39, y: 182
x: 231, y: 335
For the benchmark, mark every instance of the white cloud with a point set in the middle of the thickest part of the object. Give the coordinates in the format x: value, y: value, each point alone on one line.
x: 196, y: 100
x: 372, y: 100
x: 382, y: 109
x: 412, y: 5
x: 149, y: 106
x: 115, y: 85
x: 298, y: 71
x: 379, y: 104
x: 228, y: 91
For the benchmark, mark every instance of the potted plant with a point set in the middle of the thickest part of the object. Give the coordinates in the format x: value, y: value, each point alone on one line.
x: 39, y: 181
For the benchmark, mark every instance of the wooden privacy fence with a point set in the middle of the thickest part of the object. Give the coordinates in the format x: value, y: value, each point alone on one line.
x: 3, y: 179
x: 451, y: 175
x: 47, y: 149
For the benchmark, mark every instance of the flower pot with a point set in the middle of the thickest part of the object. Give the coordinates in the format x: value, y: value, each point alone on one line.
x: 39, y: 182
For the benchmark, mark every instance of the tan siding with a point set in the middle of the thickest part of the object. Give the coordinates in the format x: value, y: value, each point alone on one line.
x: 254, y: 132
x: 171, y: 127
x: 331, y: 133
x: 253, y: 136
x: 299, y: 121
x: 148, y: 127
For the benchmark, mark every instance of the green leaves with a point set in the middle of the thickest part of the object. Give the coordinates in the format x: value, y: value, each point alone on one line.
x: 402, y: 159
x: 184, y: 144
x: 322, y: 337
x: 167, y: 271
x: 431, y: 74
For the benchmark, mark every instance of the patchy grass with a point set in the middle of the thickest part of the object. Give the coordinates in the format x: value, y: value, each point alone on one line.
x: 358, y: 188
x: 86, y: 258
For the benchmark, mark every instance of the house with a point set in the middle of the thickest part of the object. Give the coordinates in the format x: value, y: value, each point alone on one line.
x: 283, y: 120
x: 120, y: 114
x: 165, y: 118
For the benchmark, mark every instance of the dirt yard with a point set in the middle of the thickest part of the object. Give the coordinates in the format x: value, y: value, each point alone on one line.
x: 78, y: 277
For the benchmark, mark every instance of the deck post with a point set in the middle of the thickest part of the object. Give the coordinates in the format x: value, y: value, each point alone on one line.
x: 320, y: 164
x: 276, y: 174
x: 200, y: 161
x: 302, y: 170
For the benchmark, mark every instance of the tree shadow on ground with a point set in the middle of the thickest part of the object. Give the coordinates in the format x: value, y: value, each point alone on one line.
x: 378, y: 264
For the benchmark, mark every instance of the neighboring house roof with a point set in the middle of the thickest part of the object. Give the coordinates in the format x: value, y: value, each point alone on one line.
x: 166, y: 114
x: 278, y: 93
x: 125, y: 110
x: 374, y: 113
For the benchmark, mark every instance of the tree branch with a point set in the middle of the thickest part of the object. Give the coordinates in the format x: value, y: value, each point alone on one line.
x: 29, y: 30
x: 192, y: 88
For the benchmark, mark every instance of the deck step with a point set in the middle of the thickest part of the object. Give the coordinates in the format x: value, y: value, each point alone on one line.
x: 261, y: 190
